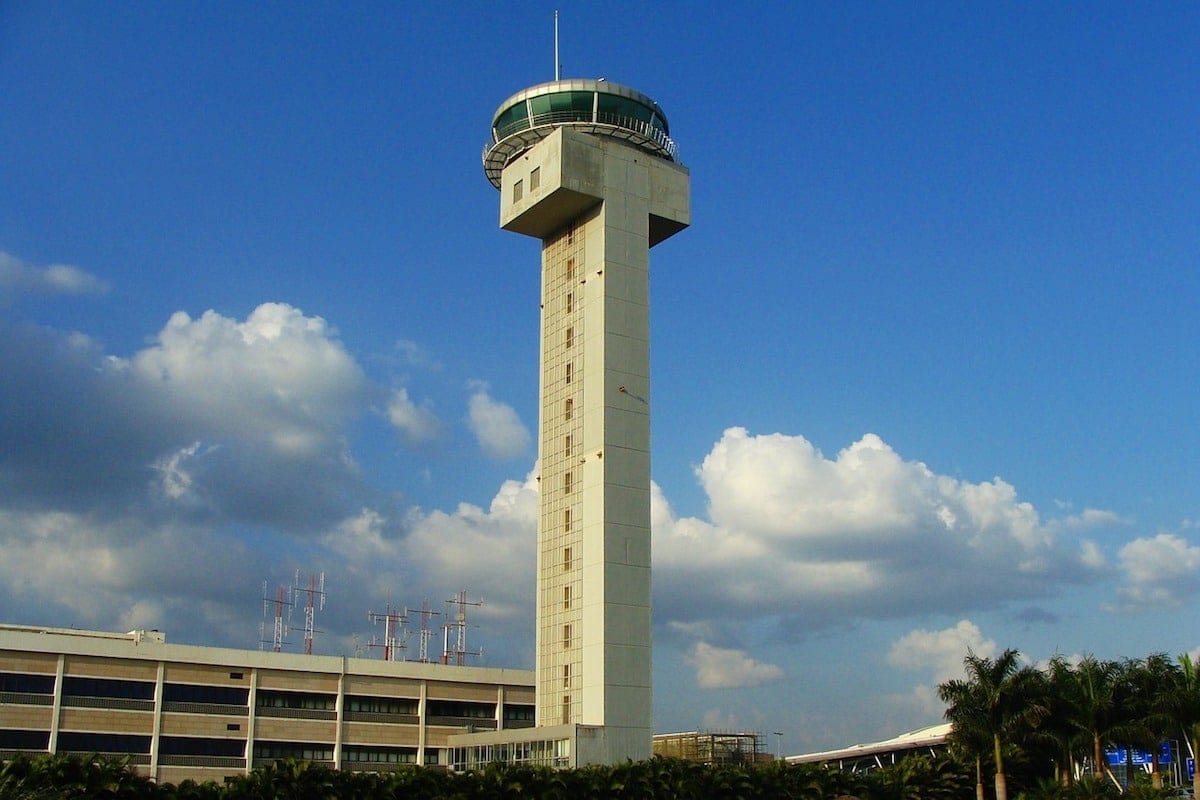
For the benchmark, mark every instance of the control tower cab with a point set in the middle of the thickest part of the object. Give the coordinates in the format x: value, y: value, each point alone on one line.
x: 591, y: 106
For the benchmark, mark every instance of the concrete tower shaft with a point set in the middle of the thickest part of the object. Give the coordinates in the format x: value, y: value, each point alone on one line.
x: 597, y: 204
x: 588, y: 167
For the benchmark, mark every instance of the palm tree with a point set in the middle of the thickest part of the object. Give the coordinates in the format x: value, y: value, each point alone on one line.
x: 1152, y: 681
x: 1058, y: 728
x: 1182, y: 703
x: 969, y: 732
x: 1096, y: 708
x: 998, y: 698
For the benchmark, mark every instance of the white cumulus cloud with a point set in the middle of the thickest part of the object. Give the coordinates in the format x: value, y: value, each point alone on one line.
x: 727, y: 668
x: 1160, y: 572
x: 18, y: 276
x: 940, y: 652
x: 279, y: 377
x: 416, y: 424
x: 865, y: 534
x: 496, y: 426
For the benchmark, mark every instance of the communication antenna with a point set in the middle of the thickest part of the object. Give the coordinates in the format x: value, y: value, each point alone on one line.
x: 557, y: 63
x: 395, y: 632
x: 426, y: 632
x: 456, y: 628
x: 314, y: 598
x: 273, y: 610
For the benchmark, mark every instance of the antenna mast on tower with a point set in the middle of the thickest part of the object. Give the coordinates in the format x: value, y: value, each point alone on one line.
x: 281, y: 628
x: 557, y: 63
x: 426, y: 632
x: 395, y: 634
x: 458, y: 623
x: 315, y: 596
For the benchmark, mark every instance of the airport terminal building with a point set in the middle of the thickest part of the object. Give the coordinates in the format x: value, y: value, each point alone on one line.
x: 180, y: 711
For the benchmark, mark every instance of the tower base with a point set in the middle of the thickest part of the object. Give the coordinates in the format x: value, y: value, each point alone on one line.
x: 558, y: 746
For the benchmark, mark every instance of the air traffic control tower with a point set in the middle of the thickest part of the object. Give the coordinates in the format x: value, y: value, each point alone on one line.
x: 589, y: 168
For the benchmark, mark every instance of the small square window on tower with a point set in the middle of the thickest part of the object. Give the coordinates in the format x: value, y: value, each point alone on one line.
x: 566, y: 559
x: 567, y: 636
x: 570, y: 268
x: 566, y: 676
x: 518, y: 191
x: 566, y: 597
x: 566, y: 520
x: 570, y: 302
x: 567, y: 408
x: 535, y: 179
x: 567, y: 445
x: 569, y: 371
x: 566, y: 712
x: 567, y: 482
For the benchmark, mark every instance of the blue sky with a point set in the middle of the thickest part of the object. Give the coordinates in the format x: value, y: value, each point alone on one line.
x: 924, y: 366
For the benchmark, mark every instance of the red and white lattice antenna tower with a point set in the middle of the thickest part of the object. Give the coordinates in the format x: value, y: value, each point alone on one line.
x: 314, y: 599
x: 456, y: 616
x: 426, y: 632
x: 395, y: 634
x: 273, y: 609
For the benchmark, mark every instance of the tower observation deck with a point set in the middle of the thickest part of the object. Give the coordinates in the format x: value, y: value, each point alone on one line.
x: 591, y: 106
x: 589, y: 168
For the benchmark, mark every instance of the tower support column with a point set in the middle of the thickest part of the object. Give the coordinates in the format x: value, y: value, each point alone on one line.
x: 596, y: 204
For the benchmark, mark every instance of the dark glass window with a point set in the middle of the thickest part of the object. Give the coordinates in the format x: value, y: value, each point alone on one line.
x: 303, y: 751
x: 309, y: 700
x: 197, y: 746
x: 381, y: 705
x: 72, y: 742
x: 460, y: 708
x: 107, y: 687
x: 26, y: 684
x: 217, y: 695
x: 516, y: 712
x: 360, y: 754
x: 24, y: 740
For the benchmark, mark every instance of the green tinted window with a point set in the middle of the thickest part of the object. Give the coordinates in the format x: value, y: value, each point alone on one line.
x: 577, y: 104
x: 617, y: 107
x: 513, y: 119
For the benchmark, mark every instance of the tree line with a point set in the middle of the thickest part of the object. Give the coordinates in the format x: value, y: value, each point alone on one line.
x: 1063, y: 715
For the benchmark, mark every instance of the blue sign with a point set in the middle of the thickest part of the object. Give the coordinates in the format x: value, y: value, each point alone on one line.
x: 1116, y: 756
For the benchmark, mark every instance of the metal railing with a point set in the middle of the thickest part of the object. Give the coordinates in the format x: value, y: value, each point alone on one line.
x: 557, y: 118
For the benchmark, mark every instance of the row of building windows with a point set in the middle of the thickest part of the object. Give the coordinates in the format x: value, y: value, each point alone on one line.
x: 197, y: 746
x: 24, y: 740
x: 131, y: 744
x: 381, y: 705
x: 301, y: 751
x: 380, y: 755
x: 108, y: 687
x: 306, y: 700
x: 460, y: 708
x: 26, y: 684
x: 77, y: 742
x: 518, y: 713
x: 211, y: 695
x: 236, y: 696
